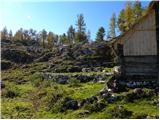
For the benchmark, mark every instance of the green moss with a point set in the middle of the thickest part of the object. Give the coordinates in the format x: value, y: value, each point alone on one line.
x: 22, y: 106
x: 15, y: 108
x: 87, y: 90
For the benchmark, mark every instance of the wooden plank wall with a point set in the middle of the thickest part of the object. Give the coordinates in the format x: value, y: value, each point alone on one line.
x: 141, y: 40
x: 141, y: 65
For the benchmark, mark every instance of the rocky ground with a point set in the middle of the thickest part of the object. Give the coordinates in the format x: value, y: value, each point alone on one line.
x: 68, y: 82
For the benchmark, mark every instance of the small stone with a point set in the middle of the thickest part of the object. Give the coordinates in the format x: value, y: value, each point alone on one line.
x: 137, y: 90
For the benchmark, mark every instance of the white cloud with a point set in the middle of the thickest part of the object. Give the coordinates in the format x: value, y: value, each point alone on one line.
x: 28, y: 17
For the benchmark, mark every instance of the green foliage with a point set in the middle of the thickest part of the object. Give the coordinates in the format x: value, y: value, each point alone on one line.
x: 120, y: 112
x: 63, y: 39
x: 129, y: 15
x: 17, y: 56
x: 71, y: 35
x: 146, y: 93
x: 100, y: 34
x: 4, y: 33
x: 112, y: 32
x: 11, y: 91
x: 140, y: 115
x: 43, y: 35
x: 74, y: 82
x: 95, y: 107
x: 137, y: 9
x: 16, y: 109
x: 81, y: 29
x: 36, y: 80
x: 108, y: 70
x: 50, y: 40
x: 121, y: 21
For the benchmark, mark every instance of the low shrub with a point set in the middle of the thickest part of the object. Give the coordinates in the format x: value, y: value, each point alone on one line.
x: 120, y: 112
x: 74, y: 82
x: 144, y: 93
x: 95, y: 107
x: 36, y: 80
x: 140, y: 115
x: 11, y: 92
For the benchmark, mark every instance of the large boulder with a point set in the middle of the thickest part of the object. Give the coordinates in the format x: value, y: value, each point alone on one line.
x: 137, y: 91
x: 112, y: 99
x: 26, y: 42
x: 73, y: 69
x: 117, y: 70
x: 45, y: 57
x: 97, y: 69
x: 69, y: 103
x: 17, y: 56
x: 86, y: 70
x: 6, y: 65
x: 62, y: 79
x: 92, y: 99
x: 85, y: 78
x: 88, y: 101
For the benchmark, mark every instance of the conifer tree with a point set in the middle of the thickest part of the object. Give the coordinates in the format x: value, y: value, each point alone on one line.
x: 100, y: 34
x: 50, y: 40
x: 71, y: 34
x: 137, y: 9
x: 43, y: 37
x: 112, y: 27
x: 81, y: 28
x: 10, y: 35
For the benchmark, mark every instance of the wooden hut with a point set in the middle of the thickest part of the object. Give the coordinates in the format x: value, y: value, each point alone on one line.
x: 139, y: 47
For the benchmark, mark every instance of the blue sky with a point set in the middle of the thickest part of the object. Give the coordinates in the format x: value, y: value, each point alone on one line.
x: 57, y: 16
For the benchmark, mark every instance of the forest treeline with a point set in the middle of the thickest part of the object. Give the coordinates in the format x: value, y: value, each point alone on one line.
x: 127, y: 17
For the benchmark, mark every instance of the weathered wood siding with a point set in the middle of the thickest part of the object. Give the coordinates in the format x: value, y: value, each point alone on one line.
x: 141, y: 65
x: 141, y: 40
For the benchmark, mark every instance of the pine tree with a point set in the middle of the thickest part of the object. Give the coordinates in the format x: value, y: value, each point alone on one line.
x: 26, y: 34
x: 32, y: 34
x: 10, y: 35
x: 43, y: 36
x: 112, y: 26
x: 71, y: 34
x: 81, y: 28
x: 100, y: 34
x: 63, y: 39
x: 4, y: 33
